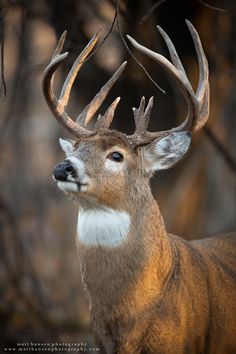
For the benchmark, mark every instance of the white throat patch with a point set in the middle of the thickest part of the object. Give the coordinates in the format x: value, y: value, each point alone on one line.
x: 103, y: 227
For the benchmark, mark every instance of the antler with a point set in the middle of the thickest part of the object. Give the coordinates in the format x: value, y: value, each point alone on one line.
x: 198, y: 104
x: 58, y: 106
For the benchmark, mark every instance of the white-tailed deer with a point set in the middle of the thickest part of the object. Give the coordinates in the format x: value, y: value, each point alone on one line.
x: 149, y: 291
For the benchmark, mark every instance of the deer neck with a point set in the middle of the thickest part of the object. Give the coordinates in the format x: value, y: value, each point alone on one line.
x: 132, y: 220
x: 138, y: 257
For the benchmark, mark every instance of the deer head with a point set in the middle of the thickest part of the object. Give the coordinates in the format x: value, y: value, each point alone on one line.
x: 103, y: 166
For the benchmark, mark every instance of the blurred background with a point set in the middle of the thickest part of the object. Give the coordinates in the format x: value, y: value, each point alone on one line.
x: 41, y: 294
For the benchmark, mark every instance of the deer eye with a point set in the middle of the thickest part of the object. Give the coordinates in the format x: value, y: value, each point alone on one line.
x: 115, y: 156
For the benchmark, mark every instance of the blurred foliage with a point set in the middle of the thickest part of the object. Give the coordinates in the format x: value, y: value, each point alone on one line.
x: 41, y: 294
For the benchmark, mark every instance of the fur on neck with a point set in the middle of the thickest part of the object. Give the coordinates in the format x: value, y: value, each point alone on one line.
x: 103, y: 226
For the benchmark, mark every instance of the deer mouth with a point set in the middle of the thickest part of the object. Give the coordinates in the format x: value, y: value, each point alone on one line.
x: 69, y: 186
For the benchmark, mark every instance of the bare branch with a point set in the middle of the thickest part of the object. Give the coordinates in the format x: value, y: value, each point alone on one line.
x: 212, y: 7
x: 105, y: 38
x: 129, y: 51
x: 221, y: 148
x: 151, y: 10
x: 3, y: 88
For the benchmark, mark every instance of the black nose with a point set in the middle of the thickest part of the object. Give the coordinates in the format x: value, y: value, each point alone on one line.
x: 63, y: 170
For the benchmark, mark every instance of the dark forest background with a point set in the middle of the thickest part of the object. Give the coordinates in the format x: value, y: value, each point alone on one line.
x: 41, y: 294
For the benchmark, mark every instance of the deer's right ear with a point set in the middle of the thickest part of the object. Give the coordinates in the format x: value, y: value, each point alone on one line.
x: 165, y: 152
x: 66, y: 145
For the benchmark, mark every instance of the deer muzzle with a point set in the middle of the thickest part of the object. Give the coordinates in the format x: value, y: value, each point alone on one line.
x: 63, y: 170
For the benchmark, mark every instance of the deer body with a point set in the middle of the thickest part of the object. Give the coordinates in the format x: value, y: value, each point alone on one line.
x: 150, y: 292
x: 157, y: 293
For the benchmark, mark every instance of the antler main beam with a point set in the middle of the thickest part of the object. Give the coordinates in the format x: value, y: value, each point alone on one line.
x: 58, y: 106
x: 198, y: 104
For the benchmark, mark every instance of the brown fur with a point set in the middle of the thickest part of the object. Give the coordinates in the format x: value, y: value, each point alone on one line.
x: 163, y: 294
x: 156, y: 293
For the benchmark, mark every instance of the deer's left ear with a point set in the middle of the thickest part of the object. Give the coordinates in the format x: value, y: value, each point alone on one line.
x: 66, y: 145
x: 165, y: 152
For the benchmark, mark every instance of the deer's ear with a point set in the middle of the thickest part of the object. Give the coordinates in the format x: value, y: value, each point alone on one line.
x: 66, y: 145
x: 164, y: 153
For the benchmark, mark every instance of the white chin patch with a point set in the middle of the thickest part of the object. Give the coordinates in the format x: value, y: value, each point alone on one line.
x: 68, y: 186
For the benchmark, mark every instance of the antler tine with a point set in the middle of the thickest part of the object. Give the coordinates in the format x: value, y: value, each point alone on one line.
x: 142, y: 116
x: 60, y: 45
x: 104, y: 121
x: 89, y: 111
x: 174, y: 56
x: 202, y: 94
x: 65, y: 92
x: 53, y: 103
